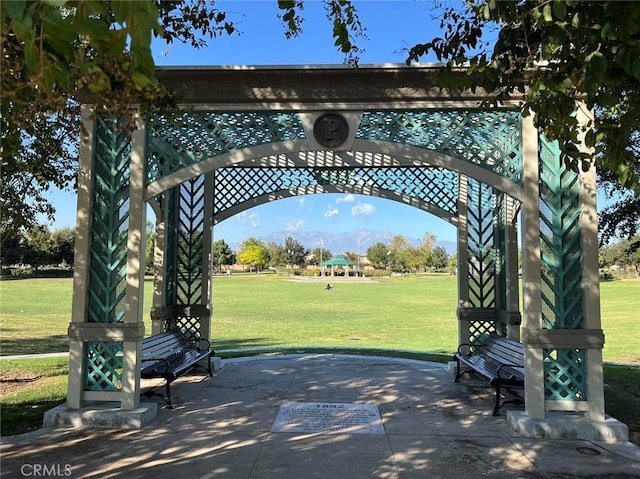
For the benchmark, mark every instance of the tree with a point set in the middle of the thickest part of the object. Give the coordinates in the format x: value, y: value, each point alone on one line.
x: 12, y: 250
x: 222, y: 254
x: 295, y: 251
x: 55, y: 53
x: 38, y: 247
x: 40, y: 155
x: 439, y: 258
x: 63, y: 244
x: 378, y: 255
x: 452, y: 263
x: 253, y: 253
x: 399, y: 249
x: 277, y: 255
x: 624, y: 254
x: 425, y: 250
x: 150, y: 252
x: 557, y: 55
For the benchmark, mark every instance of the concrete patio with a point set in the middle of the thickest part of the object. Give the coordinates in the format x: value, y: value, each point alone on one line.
x: 222, y: 428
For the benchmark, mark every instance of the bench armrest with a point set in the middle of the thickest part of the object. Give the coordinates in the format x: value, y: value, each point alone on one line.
x: 465, y: 344
x: 207, y: 343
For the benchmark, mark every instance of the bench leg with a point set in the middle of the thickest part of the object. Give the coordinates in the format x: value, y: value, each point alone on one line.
x: 496, y: 408
x: 209, y: 367
x: 511, y: 398
x: 458, y: 373
x: 167, y: 398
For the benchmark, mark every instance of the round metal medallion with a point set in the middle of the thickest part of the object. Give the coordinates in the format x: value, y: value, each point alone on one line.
x: 331, y: 130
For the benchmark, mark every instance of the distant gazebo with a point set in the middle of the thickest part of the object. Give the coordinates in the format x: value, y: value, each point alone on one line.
x: 338, y: 260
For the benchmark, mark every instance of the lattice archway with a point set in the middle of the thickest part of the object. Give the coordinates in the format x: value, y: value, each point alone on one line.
x: 255, y: 135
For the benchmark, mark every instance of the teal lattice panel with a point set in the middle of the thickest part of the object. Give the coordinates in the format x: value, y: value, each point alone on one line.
x: 561, y: 239
x: 109, y: 223
x: 172, y: 200
x: 437, y: 186
x: 481, y: 246
x: 191, y: 137
x: 189, y: 325
x: 103, y: 365
x: 190, y: 242
x: 565, y: 375
x: 479, y: 329
x: 491, y: 140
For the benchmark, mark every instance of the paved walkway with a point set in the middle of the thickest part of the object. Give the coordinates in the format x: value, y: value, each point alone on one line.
x: 221, y: 428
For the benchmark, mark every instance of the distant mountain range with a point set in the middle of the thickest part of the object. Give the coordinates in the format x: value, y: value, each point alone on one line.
x: 338, y: 243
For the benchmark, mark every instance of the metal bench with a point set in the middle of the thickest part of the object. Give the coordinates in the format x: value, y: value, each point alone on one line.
x: 499, y: 361
x: 171, y: 354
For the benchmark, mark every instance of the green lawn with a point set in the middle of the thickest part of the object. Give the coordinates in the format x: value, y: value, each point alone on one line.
x: 414, y: 313
x: 410, y: 313
x: 406, y: 313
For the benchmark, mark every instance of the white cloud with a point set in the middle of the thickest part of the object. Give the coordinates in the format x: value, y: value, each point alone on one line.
x: 249, y: 219
x: 363, y: 209
x: 348, y: 198
x: 331, y: 212
x: 297, y: 226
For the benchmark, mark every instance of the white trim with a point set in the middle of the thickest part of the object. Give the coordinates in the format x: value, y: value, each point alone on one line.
x: 319, y: 189
x: 82, y: 253
x: 531, y: 269
x: 391, y: 154
x: 136, y: 246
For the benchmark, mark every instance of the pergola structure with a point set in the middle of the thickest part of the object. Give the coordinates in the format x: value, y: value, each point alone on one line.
x: 337, y: 260
x: 246, y: 136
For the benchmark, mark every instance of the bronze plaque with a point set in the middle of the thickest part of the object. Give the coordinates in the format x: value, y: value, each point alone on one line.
x: 331, y: 130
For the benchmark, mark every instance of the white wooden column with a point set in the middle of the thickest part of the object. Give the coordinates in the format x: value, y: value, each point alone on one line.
x: 136, y: 246
x: 512, y: 300
x: 207, y: 256
x: 81, y: 257
x: 591, y: 281
x: 463, y: 260
x: 531, y: 270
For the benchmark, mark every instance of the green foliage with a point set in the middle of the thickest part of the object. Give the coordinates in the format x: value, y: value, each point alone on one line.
x: 39, y: 150
x: 222, y: 254
x: 557, y: 55
x: 39, y: 247
x: 63, y: 243
x: 295, y: 251
x: 378, y: 255
x: 342, y: 14
x: 253, y: 252
x: 439, y: 258
x: 149, y: 252
x: 623, y: 254
x: 57, y: 53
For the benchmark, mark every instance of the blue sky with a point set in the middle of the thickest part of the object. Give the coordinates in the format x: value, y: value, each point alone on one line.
x: 391, y: 27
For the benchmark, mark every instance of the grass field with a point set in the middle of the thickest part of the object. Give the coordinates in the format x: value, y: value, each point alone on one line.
x: 408, y: 313
x: 414, y: 313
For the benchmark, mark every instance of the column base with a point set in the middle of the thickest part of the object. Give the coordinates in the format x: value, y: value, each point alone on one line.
x: 563, y: 425
x: 107, y: 415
